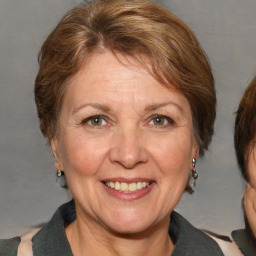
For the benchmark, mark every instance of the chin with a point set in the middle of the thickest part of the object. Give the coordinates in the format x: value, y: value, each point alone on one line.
x: 129, y: 223
x: 126, y: 229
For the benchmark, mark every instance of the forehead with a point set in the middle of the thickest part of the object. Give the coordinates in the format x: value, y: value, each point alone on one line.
x: 106, y: 77
x: 110, y: 66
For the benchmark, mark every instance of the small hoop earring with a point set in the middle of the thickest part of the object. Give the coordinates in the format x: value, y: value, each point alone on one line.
x: 61, y: 179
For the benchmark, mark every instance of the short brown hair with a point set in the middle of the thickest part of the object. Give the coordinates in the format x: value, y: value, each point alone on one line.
x: 245, y: 127
x: 132, y: 27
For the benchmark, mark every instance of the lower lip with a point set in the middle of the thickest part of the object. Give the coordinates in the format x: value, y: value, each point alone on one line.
x: 129, y: 196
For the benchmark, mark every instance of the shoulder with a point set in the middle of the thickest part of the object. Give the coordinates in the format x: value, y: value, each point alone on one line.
x: 43, y: 238
x: 190, y: 240
x: 245, y: 241
x: 9, y: 247
x: 18, y: 245
x: 228, y: 247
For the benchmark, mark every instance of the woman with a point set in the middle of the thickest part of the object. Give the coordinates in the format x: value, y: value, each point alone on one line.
x: 245, y: 139
x: 125, y: 96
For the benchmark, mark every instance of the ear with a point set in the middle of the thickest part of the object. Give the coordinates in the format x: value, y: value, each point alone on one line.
x: 195, y: 150
x: 54, y: 146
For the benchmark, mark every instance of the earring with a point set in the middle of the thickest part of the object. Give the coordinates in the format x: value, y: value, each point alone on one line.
x: 61, y: 179
x: 60, y: 173
x: 194, y: 174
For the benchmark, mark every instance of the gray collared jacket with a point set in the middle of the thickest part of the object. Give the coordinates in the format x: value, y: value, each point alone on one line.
x: 51, y: 240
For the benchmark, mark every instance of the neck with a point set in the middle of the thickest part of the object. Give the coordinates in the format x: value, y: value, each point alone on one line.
x: 84, y: 237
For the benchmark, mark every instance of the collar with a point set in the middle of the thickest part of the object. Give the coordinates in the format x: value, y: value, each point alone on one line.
x: 51, y: 239
x: 245, y: 241
x: 190, y: 241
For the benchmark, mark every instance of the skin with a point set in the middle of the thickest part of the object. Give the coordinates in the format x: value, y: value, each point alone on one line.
x: 128, y: 142
x: 250, y: 192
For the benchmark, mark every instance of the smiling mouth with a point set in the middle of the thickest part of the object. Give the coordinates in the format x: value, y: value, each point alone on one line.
x: 127, y: 187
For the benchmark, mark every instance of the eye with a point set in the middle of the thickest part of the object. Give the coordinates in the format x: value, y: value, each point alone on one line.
x: 95, y: 121
x: 159, y: 120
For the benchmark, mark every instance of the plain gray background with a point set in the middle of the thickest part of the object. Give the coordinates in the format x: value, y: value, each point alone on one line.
x: 28, y: 192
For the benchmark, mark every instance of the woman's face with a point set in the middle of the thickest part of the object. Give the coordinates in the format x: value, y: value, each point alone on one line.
x: 126, y: 144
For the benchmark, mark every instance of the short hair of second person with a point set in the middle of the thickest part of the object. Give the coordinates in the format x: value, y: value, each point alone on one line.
x: 245, y: 127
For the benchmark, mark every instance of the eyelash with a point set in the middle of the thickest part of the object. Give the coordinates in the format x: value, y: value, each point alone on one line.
x: 153, y: 118
x: 87, y: 120
x: 166, y: 118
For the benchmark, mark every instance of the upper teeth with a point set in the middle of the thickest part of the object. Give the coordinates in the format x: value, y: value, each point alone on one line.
x: 127, y: 187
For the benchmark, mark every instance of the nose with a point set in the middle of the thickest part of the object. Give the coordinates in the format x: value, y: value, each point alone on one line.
x: 128, y: 149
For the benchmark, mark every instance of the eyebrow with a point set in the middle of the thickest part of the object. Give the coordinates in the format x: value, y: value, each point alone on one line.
x: 149, y: 108
x: 153, y: 107
x: 94, y: 105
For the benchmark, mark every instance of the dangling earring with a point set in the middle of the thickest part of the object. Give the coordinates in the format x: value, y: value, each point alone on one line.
x: 61, y: 179
x: 60, y: 173
x: 194, y: 174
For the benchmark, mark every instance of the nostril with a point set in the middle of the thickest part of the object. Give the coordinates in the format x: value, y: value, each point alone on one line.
x: 128, y: 150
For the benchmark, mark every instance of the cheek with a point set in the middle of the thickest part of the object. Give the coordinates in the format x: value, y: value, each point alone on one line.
x: 82, y: 156
x: 173, y: 153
